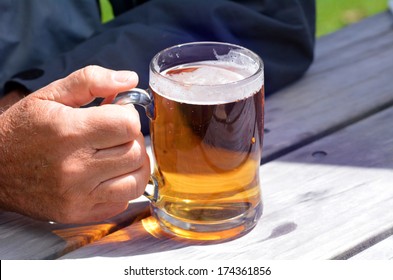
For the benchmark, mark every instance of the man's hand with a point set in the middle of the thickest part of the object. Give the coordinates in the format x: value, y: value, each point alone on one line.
x: 68, y: 164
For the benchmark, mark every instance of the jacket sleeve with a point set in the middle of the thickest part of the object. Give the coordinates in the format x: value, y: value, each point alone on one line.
x: 281, y: 32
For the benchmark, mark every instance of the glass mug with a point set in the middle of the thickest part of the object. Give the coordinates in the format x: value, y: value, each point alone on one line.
x: 206, y: 107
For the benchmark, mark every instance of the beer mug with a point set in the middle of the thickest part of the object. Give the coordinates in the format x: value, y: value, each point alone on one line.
x: 206, y: 107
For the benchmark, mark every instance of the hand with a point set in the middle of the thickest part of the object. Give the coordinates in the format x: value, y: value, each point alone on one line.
x: 68, y: 164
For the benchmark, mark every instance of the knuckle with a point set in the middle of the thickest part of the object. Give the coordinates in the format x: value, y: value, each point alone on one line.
x: 137, y: 153
x: 143, y: 178
x: 131, y: 122
x: 89, y: 72
x: 89, y: 75
x: 136, y: 188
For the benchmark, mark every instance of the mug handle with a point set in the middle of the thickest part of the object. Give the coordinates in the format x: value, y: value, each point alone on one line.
x: 136, y: 96
x: 140, y: 97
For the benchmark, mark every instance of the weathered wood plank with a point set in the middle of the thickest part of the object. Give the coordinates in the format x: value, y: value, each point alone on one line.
x: 349, y: 80
x: 337, y: 41
x: 25, y: 238
x: 323, y: 201
x: 380, y: 251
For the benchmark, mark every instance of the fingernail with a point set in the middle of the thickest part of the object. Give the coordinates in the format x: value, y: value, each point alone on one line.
x: 124, y: 76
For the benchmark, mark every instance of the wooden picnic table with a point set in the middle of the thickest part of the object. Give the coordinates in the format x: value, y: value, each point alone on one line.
x: 326, y: 177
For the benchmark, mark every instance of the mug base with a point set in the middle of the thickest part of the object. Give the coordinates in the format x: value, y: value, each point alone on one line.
x: 209, y: 231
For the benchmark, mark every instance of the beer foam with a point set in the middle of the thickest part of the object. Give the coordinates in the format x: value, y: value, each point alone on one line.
x: 232, y: 77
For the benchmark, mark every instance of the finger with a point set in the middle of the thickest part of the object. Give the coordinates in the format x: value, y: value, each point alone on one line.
x: 119, y: 160
x: 106, y: 126
x: 123, y: 188
x: 84, y: 85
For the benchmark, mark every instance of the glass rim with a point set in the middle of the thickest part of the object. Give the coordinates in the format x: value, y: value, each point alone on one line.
x: 255, y: 57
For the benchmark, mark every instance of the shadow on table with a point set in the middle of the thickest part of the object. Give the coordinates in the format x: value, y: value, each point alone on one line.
x: 24, y: 238
x: 146, y: 237
x: 140, y: 238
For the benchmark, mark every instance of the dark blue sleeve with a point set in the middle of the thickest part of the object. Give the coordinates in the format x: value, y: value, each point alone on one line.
x: 281, y: 32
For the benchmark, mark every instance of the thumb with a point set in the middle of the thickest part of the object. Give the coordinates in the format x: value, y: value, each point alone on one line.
x: 84, y: 85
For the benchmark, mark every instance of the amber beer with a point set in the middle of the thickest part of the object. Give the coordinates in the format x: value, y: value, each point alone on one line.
x: 207, y: 136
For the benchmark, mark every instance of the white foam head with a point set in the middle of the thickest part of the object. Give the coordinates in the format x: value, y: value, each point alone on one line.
x: 229, y: 78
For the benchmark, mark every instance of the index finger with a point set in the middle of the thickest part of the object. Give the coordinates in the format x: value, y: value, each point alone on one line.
x: 109, y: 125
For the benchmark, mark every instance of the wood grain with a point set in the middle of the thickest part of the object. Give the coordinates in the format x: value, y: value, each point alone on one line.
x: 24, y: 238
x: 382, y: 250
x: 349, y: 80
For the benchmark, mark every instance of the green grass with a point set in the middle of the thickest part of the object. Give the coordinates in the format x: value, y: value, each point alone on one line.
x: 335, y: 14
x: 106, y: 11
